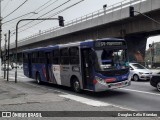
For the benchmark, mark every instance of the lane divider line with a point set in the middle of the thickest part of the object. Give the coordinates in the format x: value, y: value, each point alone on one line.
x: 140, y: 91
x: 86, y: 100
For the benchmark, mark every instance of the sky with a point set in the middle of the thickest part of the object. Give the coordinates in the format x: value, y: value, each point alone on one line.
x: 29, y: 6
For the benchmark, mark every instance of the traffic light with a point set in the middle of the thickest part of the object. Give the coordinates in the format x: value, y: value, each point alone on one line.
x: 131, y: 11
x: 61, y: 21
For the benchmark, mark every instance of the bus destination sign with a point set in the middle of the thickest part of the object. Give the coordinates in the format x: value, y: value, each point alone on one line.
x: 107, y: 43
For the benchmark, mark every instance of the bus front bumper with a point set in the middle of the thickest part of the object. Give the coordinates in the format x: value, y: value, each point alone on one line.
x: 103, y: 87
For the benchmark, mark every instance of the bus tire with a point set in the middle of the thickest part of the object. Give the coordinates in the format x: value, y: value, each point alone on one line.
x: 38, y: 79
x: 76, y: 85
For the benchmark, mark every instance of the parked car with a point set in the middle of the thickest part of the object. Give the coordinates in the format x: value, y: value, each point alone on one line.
x: 155, y: 80
x: 21, y: 66
x: 6, y: 67
x: 139, y: 72
x: 13, y: 65
x: 18, y: 65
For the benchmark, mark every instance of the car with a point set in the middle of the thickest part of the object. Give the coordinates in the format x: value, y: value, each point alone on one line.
x: 155, y: 81
x: 13, y: 65
x: 139, y: 72
x: 21, y: 66
x: 3, y: 67
x: 18, y: 65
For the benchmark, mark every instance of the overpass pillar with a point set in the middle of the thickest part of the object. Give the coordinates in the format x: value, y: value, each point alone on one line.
x: 136, y: 48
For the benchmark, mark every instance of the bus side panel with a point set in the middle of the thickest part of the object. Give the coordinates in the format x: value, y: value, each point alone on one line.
x: 65, y: 75
x: 42, y: 70
x: 39, y: 68
x: 34, y: 68
x: 55, y: 74
x: 67, y: 71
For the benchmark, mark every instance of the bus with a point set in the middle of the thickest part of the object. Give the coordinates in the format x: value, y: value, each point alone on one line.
x: 94, y: 65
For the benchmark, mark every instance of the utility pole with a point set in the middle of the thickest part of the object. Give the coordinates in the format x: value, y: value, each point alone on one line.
x: 8, y: 58
x: 152, y: 50
x: 4, y: 57
x: 0, y: 39
x: 151, y: 46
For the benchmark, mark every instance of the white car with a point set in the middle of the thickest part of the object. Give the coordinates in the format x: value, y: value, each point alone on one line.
x: 6, y: 67
x: 139, y: 72
x: 13, y: 65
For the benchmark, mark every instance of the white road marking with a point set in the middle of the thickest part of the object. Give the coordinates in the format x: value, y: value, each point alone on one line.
x: 92, y: 102
x: 95, y: 102
x: 85, y: 100
x: 140, y: 91
x: 17, y: 77
x: 125, y: 108
x: 82, y: 99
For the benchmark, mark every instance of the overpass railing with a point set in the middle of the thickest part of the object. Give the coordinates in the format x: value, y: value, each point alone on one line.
x: 107, y: 10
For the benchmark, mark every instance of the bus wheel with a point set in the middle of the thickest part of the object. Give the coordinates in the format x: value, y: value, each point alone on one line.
x: 38, y: 78
x: 76, y: 85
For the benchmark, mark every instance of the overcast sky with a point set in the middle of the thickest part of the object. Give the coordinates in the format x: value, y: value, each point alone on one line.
x: 83, y: 8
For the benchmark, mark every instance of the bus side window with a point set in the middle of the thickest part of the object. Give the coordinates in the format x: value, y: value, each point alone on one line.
x: 74, y: 55
x: 34, y: 57
x: 64, y: 56
x: 55, y: 56
x: 49, y: 57
x: 42, y: 58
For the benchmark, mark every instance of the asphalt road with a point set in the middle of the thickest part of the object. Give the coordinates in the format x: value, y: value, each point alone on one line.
x: 140, y: 96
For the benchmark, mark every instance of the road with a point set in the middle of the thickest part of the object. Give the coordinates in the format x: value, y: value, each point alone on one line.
x: 140, y: 96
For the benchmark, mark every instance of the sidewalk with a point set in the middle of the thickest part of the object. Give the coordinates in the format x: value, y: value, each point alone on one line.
x: 27, y: 97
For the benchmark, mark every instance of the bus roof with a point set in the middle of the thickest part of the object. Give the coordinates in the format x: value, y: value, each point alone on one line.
x: 86, y: 42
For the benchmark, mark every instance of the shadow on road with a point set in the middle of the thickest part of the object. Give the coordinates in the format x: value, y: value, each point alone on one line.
x: 61, y: 89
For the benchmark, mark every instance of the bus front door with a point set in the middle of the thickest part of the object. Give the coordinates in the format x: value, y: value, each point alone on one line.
x: 87, y: 68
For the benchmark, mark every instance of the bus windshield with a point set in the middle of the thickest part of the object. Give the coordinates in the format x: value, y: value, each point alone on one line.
x: 110, y: 59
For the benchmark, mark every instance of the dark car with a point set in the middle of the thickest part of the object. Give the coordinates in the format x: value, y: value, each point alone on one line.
x: 155, y: 81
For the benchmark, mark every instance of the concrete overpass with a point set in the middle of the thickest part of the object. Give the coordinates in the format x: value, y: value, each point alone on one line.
x: 114, y: 21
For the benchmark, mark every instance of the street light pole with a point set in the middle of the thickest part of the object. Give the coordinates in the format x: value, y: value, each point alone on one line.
x: 20, y: 17
x: 4, y: 57
x: 60, y: 18
x: 8, y: 58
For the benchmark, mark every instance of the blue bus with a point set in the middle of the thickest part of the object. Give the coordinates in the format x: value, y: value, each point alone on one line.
x: 94, y: 65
